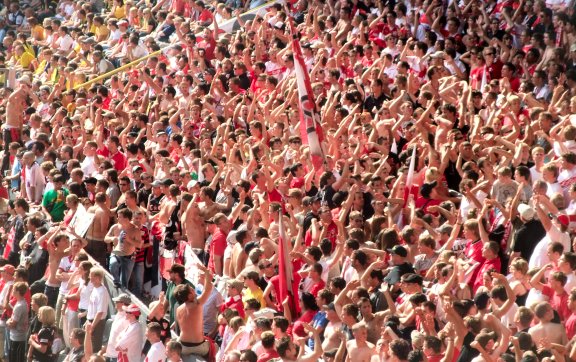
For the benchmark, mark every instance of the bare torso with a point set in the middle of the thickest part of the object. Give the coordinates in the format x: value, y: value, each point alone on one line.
x: 189, y: 318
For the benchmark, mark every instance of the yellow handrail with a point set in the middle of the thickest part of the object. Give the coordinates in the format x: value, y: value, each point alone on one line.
x: 120, y: 69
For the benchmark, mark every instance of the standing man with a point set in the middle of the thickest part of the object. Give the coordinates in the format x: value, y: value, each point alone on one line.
x: 129, y: 345
x: 126, y: 237
x: 96, y: 233
x: 14, y: 116
x: 54, y: 201
x: 189, y: 316
x: 18, y: 324
x: 97, y: 307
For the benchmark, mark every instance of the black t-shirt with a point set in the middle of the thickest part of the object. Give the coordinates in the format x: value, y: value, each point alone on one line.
x: 327, y: 193
x: 527, y: 237
x: 45, y: 338
x: 143, y: 196
x: 467, y: 353
x: 154, y: 204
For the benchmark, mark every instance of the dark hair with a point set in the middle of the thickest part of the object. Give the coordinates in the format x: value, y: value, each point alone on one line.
x: 309, y: 301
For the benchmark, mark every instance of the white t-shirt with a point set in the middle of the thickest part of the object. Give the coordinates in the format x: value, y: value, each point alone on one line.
x: 65, y: 43
x: 35, y: 178
x: 157, y: 353
x: 539, y: 256
x: 67, y: 266
x: 119, y: 325
x: 131, y: 339
x: 88, y: 166
x: 553, y: 189
x: 99, y: 299
x: 508, y: 318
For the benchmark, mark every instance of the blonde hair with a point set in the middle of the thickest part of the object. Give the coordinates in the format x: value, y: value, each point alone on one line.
x: 47, y: 315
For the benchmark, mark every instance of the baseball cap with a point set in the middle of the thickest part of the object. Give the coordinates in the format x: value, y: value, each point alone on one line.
x: 192, y: 183
x: 123, y: 298
x: 132, y: 309
x: 412, y: 279
x: 525, y: 212
x: 156, y: 183
x: 167, y: 182
x: 398, y: 250
x: 136, y: 168
x: 8, y: 269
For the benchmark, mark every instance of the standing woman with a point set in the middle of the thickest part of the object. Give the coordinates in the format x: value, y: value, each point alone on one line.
x: 40, y: 349
x: 78, y: 281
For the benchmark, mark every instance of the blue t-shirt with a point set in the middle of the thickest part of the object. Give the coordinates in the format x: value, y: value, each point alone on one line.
x: 319, y: 321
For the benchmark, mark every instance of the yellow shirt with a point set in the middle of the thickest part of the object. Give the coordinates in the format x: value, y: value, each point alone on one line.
x: 102, y: 31
x: 120, y: 12
x: 38, y: 32
x: 25, y: 60
x: 41, y: 68
x: 258, y: 294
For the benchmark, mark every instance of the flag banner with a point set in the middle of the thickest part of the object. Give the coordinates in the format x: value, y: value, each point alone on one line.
x: 285, y: 269
x: 310, y: 128
x: 410, y: 177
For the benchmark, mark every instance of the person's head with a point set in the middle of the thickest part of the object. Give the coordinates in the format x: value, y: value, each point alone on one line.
x: 523, y: 318
x: 286, y: 348
x: 19, y: 289
x: 97, y: 276
x: 399, y: 350
x: 177, y: 273
x: 47, y: 316
x: 77, y: 336
x: 184, y: 293
x: 38, y: 300
x: 544, y: 312
x: 174, y: 350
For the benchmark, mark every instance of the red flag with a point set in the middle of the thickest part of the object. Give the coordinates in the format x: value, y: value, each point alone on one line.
x: 285, y: 272
x: 310, y: 128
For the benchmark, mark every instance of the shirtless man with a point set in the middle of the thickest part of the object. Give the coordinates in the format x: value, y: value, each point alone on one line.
x: 97, y: 231
x: 545, y: 329
x: 57, y: 246
x: 189, y: 315
x: 126, y: 237
x: 194, y: 227
x: 331, y: 332
x: 359, y: 347
x: 14, y: 117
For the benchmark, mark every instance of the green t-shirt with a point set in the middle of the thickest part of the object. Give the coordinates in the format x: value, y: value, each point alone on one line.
x: 55, y: 202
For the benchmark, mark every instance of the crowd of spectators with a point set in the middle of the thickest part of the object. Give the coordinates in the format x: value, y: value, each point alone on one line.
x: 440, y: 226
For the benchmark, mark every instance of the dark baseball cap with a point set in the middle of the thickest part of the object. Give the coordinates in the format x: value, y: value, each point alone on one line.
x: 398, y: 250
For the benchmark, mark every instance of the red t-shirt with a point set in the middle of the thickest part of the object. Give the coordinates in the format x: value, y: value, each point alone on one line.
x: 558, y: 301
x: 236, y: 304
x: 217, y: 248
x: 571, y: 326
x: 317, y: 288
x: 268, y: 355
x: 119, y: 160
x: 487, y: 265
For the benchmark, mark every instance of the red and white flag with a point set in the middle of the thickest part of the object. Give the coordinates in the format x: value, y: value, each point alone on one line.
x: 310, y: 127
x: 285, y: 272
